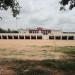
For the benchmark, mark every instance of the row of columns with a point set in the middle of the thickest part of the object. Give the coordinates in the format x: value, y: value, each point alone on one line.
x: 37, y: 37
x: 62, y: 37
x: 19, y: 37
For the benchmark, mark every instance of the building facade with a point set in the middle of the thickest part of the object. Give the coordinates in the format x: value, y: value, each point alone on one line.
x: 39, y: 34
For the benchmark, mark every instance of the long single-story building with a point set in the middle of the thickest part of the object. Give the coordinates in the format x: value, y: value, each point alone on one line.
x: 39, y: 34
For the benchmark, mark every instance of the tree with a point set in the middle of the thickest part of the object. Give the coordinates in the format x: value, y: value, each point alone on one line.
x: 3, y: 30
x: 13, y: 4
x: 71, y: 4
x: 7, y: 31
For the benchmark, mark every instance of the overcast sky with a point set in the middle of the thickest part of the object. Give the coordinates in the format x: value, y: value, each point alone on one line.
x: 39, y: 13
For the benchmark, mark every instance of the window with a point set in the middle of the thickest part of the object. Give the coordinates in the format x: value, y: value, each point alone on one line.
x: 27, y: 37
x: 70, y: 37
x: 39, y: 37
x: 58, y: 37
x: 4, y: 37
x: 33, y: 37
x: 64, y: 37
x: 21, y: 37
x: 51, y: 37
x: 15, y: 37
x: 9, y: 37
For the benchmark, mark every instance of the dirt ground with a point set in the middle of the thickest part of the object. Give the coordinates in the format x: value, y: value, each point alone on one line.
x: 22, y: 43
x: 35, y: 51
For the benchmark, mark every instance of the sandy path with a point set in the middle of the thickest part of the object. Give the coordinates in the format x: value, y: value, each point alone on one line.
x: 23, y: 43
x: 32, y: 49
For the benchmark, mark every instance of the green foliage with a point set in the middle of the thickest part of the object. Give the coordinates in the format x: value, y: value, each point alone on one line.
x: 67, y: 50
x: 37, y: 72
x: 3, y: 31
x: 44, y: 67
x: 66, y: 2
x: 59, y: 64
x: 13, y: 4
x: 8, y: 31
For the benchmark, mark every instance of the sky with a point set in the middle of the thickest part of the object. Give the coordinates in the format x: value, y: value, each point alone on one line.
x: 39, y: 13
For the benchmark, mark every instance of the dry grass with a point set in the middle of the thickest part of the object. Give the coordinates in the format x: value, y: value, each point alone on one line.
x: 33, y: 49
x: 22, y: 43
x: 32, y: 67
x: 37, y: 57
x: 32, y: 53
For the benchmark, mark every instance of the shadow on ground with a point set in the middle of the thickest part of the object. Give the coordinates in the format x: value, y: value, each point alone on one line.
x: 32, y: 67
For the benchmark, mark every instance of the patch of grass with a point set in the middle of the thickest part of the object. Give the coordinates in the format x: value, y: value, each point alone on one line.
x: 57, y: 64
x: 37, y: 72
x: 33, y: 46
x: 3, y: 50
x: 44, y: 67
x: 68, y: 50
x: 47, y: 46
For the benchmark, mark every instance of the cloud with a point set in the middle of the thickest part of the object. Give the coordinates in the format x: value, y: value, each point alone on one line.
x: 40, y: 13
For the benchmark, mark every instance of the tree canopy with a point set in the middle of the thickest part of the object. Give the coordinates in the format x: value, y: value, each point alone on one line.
x: 8, y: 31
x: 15, y: 7
x: 13, y: 4
x: 71, y: 4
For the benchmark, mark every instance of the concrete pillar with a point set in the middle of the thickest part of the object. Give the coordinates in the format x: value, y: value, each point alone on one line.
x: 61, y: 37
x: 24, y: 36
x: 74, y: 37
x: 1, y: 37
x: 7, y: 36
x: 18, y: 37
x: 54, y: 37
x: 30, y: 37
x: 67, y: 37
x: 12, y: 37
x: 36, y: 37
x: 45, y: 37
